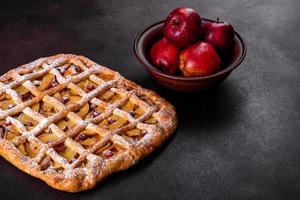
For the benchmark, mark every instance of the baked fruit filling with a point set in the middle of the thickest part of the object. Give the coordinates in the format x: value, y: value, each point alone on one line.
x: 108, y: 76
x: 48, y: 162
x: 69, y: 70
x: 6, y: 102
x: 28, y: 121
x: 133, y: 109
x: 134, y: 134
x: 28, y: 149
x: 109, y: 96
x: 108, y: 150
x: 66, y: 152
x: 87, y: 85
x: 88, y: 138
x: 24, y: 93
x: 47, y: 136
x: 45, y: 82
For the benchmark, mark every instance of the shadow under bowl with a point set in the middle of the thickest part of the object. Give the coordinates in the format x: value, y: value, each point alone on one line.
x: 145, y: 40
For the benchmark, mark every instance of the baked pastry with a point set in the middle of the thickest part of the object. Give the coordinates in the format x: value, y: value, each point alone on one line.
x: 71, y: 122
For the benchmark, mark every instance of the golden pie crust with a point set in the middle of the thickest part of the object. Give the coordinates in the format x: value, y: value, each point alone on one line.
x: 71, y: 122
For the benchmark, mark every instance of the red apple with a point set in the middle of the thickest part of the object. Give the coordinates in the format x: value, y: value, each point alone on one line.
x: 205, y: 27
x: 165, y: 55
x: 182, y: 26
x: 200, y: 59
x: 219, y: 34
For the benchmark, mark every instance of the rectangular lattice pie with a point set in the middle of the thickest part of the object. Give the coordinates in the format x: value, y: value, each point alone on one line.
x: 71, y: 122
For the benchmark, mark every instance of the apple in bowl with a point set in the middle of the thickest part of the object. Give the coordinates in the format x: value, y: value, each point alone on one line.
x: 165, y: 55
x: 182, y: 26
x: 219, y: 34
x: 199, y: 59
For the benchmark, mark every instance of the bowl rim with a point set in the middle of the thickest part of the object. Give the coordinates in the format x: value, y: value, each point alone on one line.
x: 150, y: 67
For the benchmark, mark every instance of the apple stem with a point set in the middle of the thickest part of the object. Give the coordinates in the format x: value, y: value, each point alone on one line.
x: 218, y: 20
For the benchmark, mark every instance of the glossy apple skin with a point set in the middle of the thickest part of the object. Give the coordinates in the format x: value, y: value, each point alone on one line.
x: 205, y: 28
x: 182, y: 26
x: 199, y: 59
x: 165, y: 55
x: 219, y: 34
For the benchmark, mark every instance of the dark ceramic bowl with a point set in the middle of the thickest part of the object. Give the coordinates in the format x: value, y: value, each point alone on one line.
x: 153, y: 33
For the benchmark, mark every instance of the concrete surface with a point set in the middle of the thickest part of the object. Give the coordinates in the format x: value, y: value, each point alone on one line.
x: 238, y: 141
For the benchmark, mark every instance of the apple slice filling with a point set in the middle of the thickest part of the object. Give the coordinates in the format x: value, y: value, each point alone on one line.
x: 134, y: 134
x: 28, y: 122
x: 106, y: 76
x: 67, y: 96
x: 44, y: 108
x: 6, y: 102
x: 70, y: 70
x: 113, y: 122
x: 46, y: 82
x: 150, y: 120
x: 87, y: 138
x: 8, y: 130
x: 28, y: 149
x: 21, y: 90
x: 48, y: 162
x: 47, y: 137
x: 87, y: 85
x: 24, y: 93
x: 93, y: 111
x: 109, y: 96
x: 66, y: 124
x: 133, y: 109
x: 146, y: 99
x: 67, y: 153
x: 62, y: 124
x: 83, y: 111
x: 108, y: 150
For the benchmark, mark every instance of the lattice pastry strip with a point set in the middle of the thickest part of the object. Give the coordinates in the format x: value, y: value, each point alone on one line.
x: 115, y: 107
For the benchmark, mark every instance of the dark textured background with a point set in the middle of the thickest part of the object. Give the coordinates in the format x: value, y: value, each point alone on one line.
x: 238, y: 141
